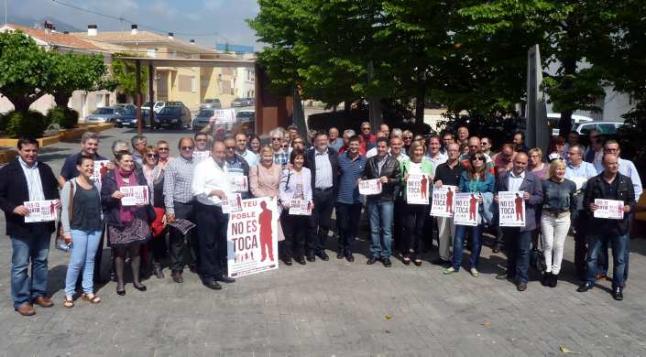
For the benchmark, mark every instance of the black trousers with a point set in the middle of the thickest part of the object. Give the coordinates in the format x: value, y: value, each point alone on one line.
x: 183, y: 249
x: 212, y: 238
x: 320, y: 220
x: 415, y: 219
x: 399, y: 224
x: 293, y: 228
x: 347, y: 216
x: 580, y: 245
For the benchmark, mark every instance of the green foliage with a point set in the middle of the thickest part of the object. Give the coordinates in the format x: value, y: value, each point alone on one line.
x: 124, y: 78
x: 26, y: 124
x: 65, y: 117
x: 72, y: 72
x: 24, y: 69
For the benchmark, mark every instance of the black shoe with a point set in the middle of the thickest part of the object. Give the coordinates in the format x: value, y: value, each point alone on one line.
x: 177, y: 277
x: 192, y: 268
x: 495, y: 249
x: 287, y: 261
x: 301, y: 260
x: 212, y: 284
x: 553, y: 280
x: 406, y: 260
x: 349, y: 258
x: 121, y: 292
x: 157, y: 270
x: 226, y: 279
x: 140, y: 286
x: 521, y: 286
x: 618, y: 294
x: 321, y: 254
x: 340, y: 255
x: 310, y: 258
x: 585, y: 287
x: 372, y: 260
x: 546, y: 278
x: 387, y: 262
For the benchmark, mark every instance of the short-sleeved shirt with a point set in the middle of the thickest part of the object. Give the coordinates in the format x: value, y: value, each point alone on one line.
x: 69, y: 170
x: 351, y: 171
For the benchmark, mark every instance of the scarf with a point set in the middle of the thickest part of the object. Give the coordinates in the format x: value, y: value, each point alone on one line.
x: 126, y: 214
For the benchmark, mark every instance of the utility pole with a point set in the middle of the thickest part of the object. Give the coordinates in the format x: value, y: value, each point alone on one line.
x: 5, y: 11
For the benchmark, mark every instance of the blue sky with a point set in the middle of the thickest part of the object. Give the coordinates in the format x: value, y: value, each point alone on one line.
x: 222, y: 20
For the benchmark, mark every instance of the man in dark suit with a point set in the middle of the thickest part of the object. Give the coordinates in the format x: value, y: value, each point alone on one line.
x: 518, y: 239
x: 323, y: 162
x: 27, y: 179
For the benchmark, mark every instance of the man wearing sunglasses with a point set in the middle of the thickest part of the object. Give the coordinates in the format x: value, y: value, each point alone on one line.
x: 281, y: 157
x: 201, y: 150
x: 369, y: 139
x: 178, y: 199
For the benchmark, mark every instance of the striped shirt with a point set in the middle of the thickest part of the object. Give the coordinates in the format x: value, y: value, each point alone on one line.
x: 351, y: 171
x: 281, y: 157
x: 177, y: 182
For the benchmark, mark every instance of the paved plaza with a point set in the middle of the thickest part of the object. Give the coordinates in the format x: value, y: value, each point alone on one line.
x: 330, y: 308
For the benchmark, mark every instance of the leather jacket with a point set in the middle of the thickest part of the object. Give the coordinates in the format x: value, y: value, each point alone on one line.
x: 390, y: 169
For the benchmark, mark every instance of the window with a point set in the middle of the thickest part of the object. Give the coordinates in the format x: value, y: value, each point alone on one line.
x: 151, y: 52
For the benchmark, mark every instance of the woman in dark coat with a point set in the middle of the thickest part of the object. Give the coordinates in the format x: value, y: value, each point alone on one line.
x: 128, y: 226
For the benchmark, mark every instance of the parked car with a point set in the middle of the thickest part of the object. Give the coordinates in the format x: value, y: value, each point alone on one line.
x: 173, y: 116
x: 202, y: 119
x: 553, y: 121
x: 606, y: 128
x: 242, y: 102
x: 129, y: 118
x: 213, y: 103
x: 157, y: 106
x: 105, y: 115
x: 246, y: 119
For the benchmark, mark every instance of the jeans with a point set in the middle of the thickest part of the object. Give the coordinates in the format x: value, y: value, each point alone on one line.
x: 82, y: 256
x: 34, y: 249
x: 620, y: 248
x: 458, y: 246
x: 381, y: 227
x: 320, y: 220
x: 348, y: 217
x: 517, y: 244
x: 554, y: 233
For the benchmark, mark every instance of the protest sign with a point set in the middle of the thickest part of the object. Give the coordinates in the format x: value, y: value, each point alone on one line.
x: 100, y: 169
x: 443, y: 201
x: 41, y: 211
x: 223, y: 116
x: 609, y: 209
x: 252, y: 238
x: 232, y: 203
x: 298, y: 207
x: 511, y: 209
x: 465, y: 212
x: 370, y: 187
x: 134, y: 195
x: 417, y: 189
x: 239, y: 182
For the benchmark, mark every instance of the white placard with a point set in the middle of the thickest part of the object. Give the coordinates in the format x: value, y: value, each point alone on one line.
x: 370, y: 187
x: 100, y: 169
x: 41, y: 211
x: 252, y: 238
x: 239, y: 183
x: 511, y: 209
x: 609, y: 209
x: 466, y: 212
x: 134, y: 195
x: 223, y: 116
x: 232, y: 203
x: 298, y: 207
x: 443, y: 201
x: 418, y: 188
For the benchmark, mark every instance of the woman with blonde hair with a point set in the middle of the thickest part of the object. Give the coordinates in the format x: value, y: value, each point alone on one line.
x: 558, y: 204
x: 536, y: 164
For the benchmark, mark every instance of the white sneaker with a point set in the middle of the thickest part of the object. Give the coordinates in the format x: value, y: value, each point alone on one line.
x: 449, y: 270
x: 475, y: 272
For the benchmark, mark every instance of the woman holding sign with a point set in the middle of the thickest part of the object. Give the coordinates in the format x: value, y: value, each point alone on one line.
x: 558, y: 204
x: 417, y: 176
x: 82, y: 226
x: 128, y: 225
x: 296, y: 200
x: 476, y: 180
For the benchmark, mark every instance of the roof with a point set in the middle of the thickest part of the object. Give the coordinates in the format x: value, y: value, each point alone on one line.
x: 51, y: 38
x: 125, y: 38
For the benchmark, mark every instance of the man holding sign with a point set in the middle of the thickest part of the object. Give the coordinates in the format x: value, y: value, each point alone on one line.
x: 447, y: 174
x: 237, y: 169
x: 380, y: 207
x: 613, y: 186
x: 518, y: 239
x: 24, y: 180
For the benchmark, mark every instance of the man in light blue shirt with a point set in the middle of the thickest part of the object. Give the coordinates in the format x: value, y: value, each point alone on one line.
x: 241, y: 149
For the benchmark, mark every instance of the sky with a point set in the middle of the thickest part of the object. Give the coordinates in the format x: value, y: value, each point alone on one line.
x: 206, y: 21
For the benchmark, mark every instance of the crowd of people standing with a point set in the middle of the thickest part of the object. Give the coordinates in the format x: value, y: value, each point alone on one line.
x: 559, y: 189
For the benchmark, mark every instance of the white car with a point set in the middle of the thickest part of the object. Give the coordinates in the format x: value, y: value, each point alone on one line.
x: 553, y: 121
x: 603, y: 127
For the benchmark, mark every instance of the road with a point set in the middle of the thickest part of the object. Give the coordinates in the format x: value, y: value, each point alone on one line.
x: 330, y: 308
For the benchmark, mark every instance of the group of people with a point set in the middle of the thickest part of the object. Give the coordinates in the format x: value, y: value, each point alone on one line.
x: 324, y: 171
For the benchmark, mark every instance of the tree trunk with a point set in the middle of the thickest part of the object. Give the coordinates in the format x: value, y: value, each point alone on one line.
x: 419, y: 105
x: 62, y: 99
x: 347, y: 105
x: 565, y: 123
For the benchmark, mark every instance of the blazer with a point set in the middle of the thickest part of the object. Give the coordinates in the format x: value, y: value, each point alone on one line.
x: 391, y: 170
x: 14, y: 192
x: 532, y: 185
x: 310, y: 163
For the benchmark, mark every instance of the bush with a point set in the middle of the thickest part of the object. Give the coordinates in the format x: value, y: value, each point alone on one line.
x: 29, y: 124
x: 65, y: 117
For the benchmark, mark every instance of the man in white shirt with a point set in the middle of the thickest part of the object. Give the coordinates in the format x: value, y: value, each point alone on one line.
x: 201, y: 151
x: 209, y: 188
x: 434, y: 152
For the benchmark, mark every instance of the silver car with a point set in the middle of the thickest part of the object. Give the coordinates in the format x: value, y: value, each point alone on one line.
x: 105, y: 115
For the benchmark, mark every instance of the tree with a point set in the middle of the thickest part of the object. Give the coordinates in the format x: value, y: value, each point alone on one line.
x: 25, y: 70
x: 124, y: 76
x: 72, y: 72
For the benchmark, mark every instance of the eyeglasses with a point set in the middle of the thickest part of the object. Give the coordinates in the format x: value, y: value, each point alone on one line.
x: 365, y: 128
x: 151, y: 156
x: 408, y: 137
x: 276, y: 139
x: 230, y: 148
x: 162, y: 149
x: 200, y: 139
x: 187, y: 148
x: 479, y: 158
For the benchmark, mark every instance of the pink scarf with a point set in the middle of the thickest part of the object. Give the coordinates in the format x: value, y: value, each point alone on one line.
x: 126, y: 214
